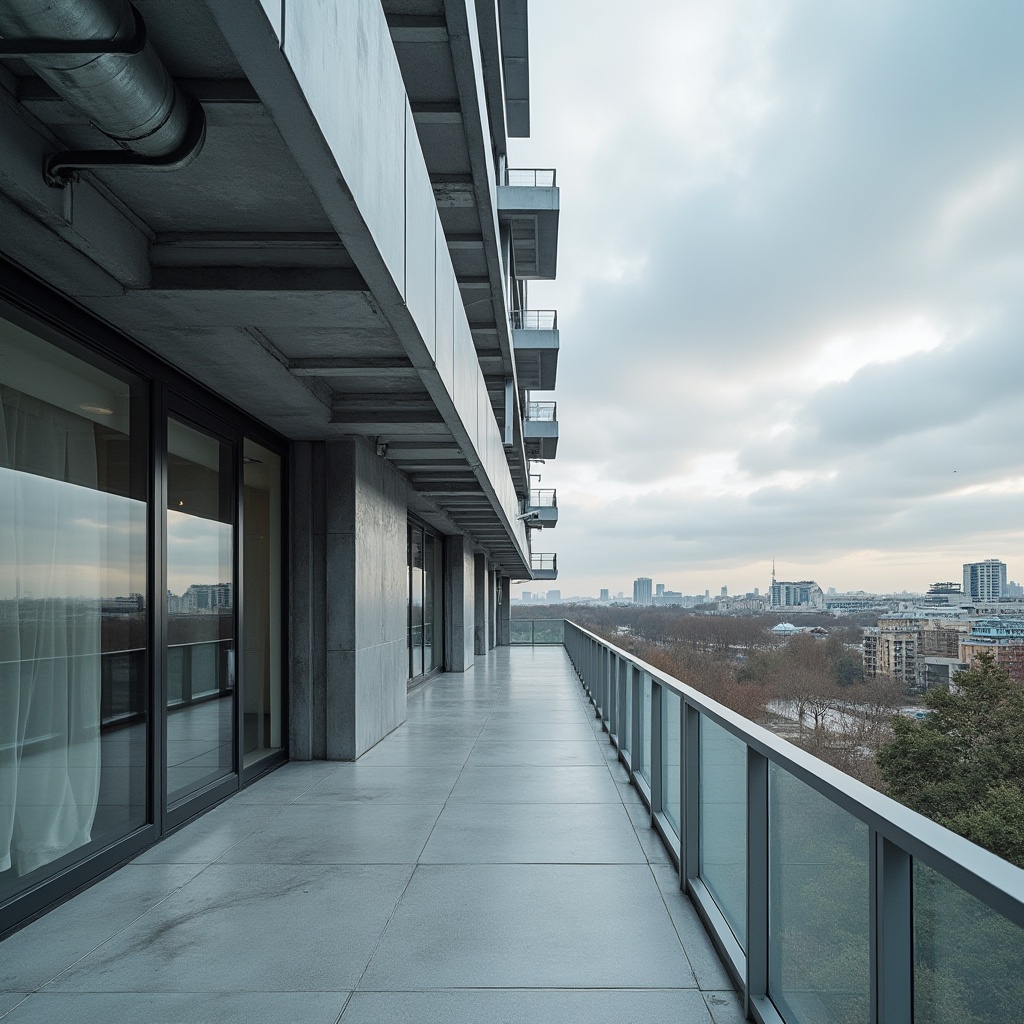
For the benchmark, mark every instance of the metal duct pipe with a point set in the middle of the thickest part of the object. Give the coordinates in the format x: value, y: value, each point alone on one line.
x: 128, y: 95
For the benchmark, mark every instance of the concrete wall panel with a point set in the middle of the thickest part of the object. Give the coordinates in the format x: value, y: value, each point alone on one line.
x: 420, y: 233
x: 342, y: 56
x: 275, y: 14
x: 459, y: 603
x: 467, y: 376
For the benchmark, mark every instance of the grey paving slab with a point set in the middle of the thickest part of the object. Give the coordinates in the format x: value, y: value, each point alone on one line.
x: 533, y: 834
x: 39, y: 952
x: 726, y: 1007
x: 174, y: 1008
x: 250, y: 928
x: 287, y: 783
x: 707, y: 966
x: 504, y: 752
x: 529, y: 926
x: 536, y: 1006
x: 411, y: 750
x: 540, y: 732
x: 8, y: 1000
x: 394, y: 784
x: 206, y: 838
x: 526, y: 784
x: 373, y: 833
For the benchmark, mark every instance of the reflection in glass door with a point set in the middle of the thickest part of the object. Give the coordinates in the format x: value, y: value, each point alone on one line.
x: 200, y: 611
x: 426, y: 601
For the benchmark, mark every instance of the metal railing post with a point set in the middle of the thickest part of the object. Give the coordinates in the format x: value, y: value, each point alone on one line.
x: 620, y: 713
x: 636, y: 696
x: 689, y: 787
x: 756, y: 981
x: 892, y: 957
x: 657, y: 754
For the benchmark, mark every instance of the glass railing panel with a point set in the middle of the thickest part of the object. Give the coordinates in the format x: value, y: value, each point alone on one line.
x: 818, y: 954
x: 671, y: 757
x: 548, y: 631
x: 723, y: 823
x: 968, y: 959
x: 645, y: 730
x: 520, y: 631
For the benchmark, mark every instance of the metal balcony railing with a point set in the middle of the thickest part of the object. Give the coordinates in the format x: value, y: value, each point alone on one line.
x: 543, y: 562
x: 534, y: 319
x: 536, y: 632
x: 828, y: 901
x: 530, y: 177
x: 544, y: 498
x: 544, y: 412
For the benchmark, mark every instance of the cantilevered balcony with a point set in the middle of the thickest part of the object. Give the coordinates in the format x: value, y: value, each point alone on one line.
x: 535, y: 344
x: 544, y: 565
x: 542, y: 506
x: 528, y: 204
x: 540, y: 430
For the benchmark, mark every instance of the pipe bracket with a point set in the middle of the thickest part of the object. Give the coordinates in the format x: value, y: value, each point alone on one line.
x: 11, y: 49
x: 62, y: 168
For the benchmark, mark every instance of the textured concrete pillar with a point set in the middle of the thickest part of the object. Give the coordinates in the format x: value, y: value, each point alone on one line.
x: 492, y: 609
x: 504, y: 611
x: 480, y: 604
x: 307, y: 602
x: 460, y: 603
x: 367, y: 667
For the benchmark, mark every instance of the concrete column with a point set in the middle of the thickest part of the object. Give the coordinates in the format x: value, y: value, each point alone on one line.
x: 504, y: 611
x: 460, y: 604
x: 492, y: 609
x: 480, y: 579
x: 367, y: 658
x: 307, y: 602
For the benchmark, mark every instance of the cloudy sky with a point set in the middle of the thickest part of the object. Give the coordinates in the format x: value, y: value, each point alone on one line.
x: 790, y: 291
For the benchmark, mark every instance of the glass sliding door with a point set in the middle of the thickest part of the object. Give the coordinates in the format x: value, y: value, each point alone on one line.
x: 426, y: 601
x: 261, y: 603
x: 200, y: 678
x: 73, y: 610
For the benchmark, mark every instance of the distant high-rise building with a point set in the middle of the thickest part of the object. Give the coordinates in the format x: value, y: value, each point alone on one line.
x: 619, y: 596
x: 554, y: 597
x: 802, y: 593
x: 725, y: 592
x: 757, y: 591
x: 527, y: 596
x: 604, y: 594
x: 659, y: 589
x: 1014, y: 589
x: 985, y: 581
x: 642, y: 594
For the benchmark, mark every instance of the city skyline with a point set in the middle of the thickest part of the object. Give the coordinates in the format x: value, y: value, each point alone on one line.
x: 777, y: 346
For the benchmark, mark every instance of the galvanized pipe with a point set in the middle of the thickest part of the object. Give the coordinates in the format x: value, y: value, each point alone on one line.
x: 129, y: 96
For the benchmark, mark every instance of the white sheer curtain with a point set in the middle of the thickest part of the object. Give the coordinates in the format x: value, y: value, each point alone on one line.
x: 52, y: 524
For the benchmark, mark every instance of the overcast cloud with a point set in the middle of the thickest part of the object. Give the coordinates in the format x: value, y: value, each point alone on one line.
x: 790, y: 289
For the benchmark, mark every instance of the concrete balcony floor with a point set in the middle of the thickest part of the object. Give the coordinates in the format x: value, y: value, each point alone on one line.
x: 487, y: 861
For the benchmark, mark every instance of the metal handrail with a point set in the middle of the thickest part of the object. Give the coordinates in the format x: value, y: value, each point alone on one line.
x: 530, y: 177
x: 543, y: 412
x: 897, y: 835
x: 534, y: 319
x: 544, y: 498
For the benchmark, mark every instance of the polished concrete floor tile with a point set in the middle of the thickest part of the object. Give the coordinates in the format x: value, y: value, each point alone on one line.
x: 184, y: 1008
x: 206, y: 838
x: 545, y: 1006
x: 535, y: 784
x: 362, y: 783
x: 39, y: 952
x: 529, y: 926
x: 504, y: 752
x: 533, y: 834
x: 412, y: 750
x: 288, y: 782
x: 536, y: 732
x: 250, y: 928
x: 372, y: 833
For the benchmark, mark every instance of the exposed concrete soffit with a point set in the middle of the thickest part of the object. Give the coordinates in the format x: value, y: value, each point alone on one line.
x: 515, y: 49
x: 257, y: 48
